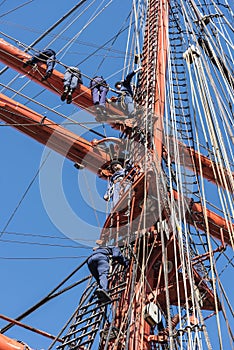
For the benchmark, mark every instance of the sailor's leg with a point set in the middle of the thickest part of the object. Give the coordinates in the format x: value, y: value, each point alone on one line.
x: 92, y: 265
x: 50, y: 65
x: 116, y: 193
x: 103, y: 93
x: 95, y: 95
x: 129, y: 104
x: 103, y: 270
x: 66, y: 85
x: 74, y: 82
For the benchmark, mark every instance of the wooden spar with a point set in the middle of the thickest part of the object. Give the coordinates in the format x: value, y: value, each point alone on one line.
x: 210, y: 170
x: 216, y: 222
x: 52, y: 135
x: 218, y: 226
x: 43, y: 131
x: 14, y: 58
x: 207, y: 168
x: 23, y: 325
x: 80, y: 150
x: 11, y: 344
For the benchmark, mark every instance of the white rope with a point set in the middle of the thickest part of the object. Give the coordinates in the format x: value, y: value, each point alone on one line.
x: 184, y: 249
x: 136, y: 16
x: 126, y: 64
x: 218, y: 160
x: 92, y: 18
x: 213, y: 130
x: 221, y: 13
x: 197, y: 106
x: 208, y: 234
x: 68, y: 26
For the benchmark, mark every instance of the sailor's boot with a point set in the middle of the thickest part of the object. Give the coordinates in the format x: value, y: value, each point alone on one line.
x: 69, y: 96
x: 27, y: 63
x: 64, y: 94
x: 46, y: 76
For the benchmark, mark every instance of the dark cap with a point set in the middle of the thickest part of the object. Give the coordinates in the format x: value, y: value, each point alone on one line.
x: 115, y: 162
x: 117, y: 83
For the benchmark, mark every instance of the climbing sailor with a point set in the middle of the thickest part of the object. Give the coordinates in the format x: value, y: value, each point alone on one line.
x: 99, y: 266
x: 72, y: 79
x: 125, y: 94
x: 47, y: 56
x: 116, y: 185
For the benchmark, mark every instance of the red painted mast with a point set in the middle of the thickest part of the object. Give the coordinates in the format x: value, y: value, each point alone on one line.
x: 152, y: 102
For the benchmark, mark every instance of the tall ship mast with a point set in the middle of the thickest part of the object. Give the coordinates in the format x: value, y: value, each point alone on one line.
x: 173, y: 219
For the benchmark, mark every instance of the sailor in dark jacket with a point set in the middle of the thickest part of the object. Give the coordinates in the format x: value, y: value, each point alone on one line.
x: 126, y: 93
x: 99, y: 263
x: 48, y: 56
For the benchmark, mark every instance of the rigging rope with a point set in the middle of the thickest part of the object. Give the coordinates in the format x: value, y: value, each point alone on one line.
x: 16, y: 8
x: 67, y: 27
x: 23, y: 197
x: 35, y: 42
x: 54, y: 111
x: 93, y: 17
x: 110, y: 47
x: 44, y: 300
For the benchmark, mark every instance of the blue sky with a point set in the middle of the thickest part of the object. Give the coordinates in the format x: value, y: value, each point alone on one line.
x: 38, y: 249
x: 36, y: 252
